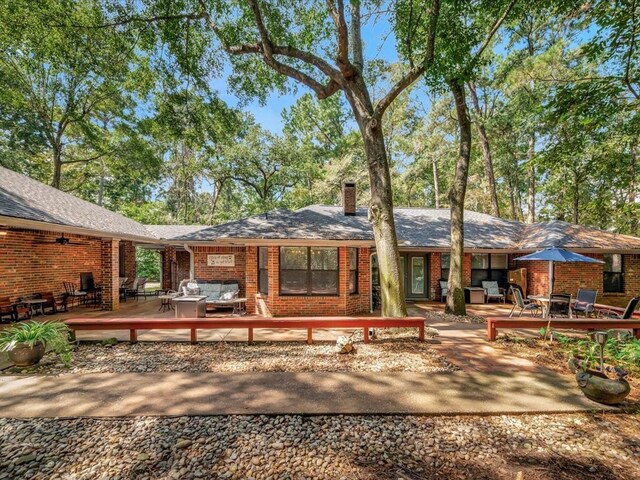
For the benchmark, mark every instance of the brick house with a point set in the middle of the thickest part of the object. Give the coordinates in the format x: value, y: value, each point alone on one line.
x: 318, y: 260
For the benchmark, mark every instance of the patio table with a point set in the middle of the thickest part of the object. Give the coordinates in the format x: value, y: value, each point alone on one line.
x: 34, y: 305
x: 166, y: 302
x: 546, y: 304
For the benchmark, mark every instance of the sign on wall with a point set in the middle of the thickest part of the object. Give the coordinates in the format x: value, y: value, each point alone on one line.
x: 221, y: 260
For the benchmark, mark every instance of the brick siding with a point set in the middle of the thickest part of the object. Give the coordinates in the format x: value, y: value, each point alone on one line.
x: 28, y: 266
x: 237, y: 272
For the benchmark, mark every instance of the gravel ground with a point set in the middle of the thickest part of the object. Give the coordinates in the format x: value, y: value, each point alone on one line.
x: 573, y: 446
x: 433, y: 316
x: 393, y: 352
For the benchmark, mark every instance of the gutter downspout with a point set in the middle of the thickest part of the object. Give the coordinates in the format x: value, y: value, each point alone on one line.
x: 192, y: 267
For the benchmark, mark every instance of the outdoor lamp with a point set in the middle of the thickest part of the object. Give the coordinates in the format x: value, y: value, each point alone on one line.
x: 601, y: 339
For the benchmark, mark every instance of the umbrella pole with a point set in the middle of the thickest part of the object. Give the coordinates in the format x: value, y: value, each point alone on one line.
x: 548, y: 329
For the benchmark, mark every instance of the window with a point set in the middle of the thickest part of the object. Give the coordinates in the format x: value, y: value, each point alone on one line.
x: 263, y: 276
x: 353, y: 270
x: 308, y: 271
x: 444, y: 266
x: 486, y: 266
x: 613, y: 273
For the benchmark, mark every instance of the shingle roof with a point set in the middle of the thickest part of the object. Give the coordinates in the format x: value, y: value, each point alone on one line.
x: 416, y: 227
x: 303, y: 224
x: 25, y: 198
x: 568, y: 235
x: 173, y: 231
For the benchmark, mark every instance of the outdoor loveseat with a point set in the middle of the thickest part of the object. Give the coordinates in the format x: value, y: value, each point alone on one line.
x: 219, y: 293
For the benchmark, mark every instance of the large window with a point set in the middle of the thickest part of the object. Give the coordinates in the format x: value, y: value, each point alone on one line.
x: 486, y: 266
x: 353, y: 270
x: 613, y: 273
x: 263, y: 275
x: 445, y: 258
x: 308, y: 271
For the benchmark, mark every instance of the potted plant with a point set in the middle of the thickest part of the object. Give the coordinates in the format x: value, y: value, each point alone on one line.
x: 26, y: 342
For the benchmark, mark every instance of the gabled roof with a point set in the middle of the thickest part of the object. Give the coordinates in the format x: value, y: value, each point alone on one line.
x: 416, y: 228
x: 303, y: 224
x: 167, y: 232
x: 22, y: 197
x: 568, y: 235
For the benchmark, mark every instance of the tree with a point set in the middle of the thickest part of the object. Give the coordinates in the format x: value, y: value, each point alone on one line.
x: 63, y: 90
x: 293, y: 42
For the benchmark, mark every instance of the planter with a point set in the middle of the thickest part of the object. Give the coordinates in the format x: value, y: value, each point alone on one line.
x: 597, y: 386
x: 24, y: 356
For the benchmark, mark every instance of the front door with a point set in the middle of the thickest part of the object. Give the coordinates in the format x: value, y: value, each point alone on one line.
x: 413, y: 271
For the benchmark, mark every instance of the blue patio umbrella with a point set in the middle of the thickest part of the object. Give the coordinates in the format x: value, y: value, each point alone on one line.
x: 555, y: 254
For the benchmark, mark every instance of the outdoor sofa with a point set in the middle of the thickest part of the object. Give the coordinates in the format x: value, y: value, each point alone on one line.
x: 219, y: 293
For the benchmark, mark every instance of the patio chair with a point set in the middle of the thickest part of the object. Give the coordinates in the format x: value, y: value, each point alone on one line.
x: 12, y: 311
x: 559, y: 305
x: 137, y: 287
x: 444, y: 289
x: 585, y: 302
x: 626, y: 315
x: 94, y: 292
x: 492, y: 290
x: 524, y: 305
x: 73, y: 294
x: 51, y: 303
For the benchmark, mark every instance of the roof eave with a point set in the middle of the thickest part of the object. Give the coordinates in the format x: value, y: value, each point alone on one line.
x: 15, y: 222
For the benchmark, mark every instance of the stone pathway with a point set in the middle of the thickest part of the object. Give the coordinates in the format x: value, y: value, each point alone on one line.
x: 182, y: 393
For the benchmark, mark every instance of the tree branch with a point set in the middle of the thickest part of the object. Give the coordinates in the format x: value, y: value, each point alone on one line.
x: 415, y: 72
x: 356, y: 35
x: 343, y: 36
x: 496, y: 26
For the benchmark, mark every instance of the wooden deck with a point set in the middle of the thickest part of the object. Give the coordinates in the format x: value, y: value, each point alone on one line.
x: 493, y: 323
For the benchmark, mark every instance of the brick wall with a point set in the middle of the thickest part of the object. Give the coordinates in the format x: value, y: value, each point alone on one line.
x: 128, y: 251
x: 29, y: 266
x: 569, y: 277
x: 237, y: 272
x: 110, y: 254
x: 169, y: 268
x: 436, y: 273
x: 275, y: 305
x: 183, y: 264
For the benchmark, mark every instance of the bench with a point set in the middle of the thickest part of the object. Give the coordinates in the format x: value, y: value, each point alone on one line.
x: 493, y: 323
x: 195, y: 324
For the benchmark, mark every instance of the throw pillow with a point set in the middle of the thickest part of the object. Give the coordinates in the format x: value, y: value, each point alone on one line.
x: 192, y: 289
x: 229, y: 295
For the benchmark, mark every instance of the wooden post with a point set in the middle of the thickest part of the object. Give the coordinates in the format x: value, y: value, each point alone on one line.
x: 194, y: 335
x: 309, y: 336
x: 421, y: 331
x: 366, y: 334
x: 250, y: 335
x: 133, y: 336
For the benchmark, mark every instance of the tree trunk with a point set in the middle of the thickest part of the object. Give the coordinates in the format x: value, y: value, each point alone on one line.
x: 576, y: 197
x: 57, y: 166
x: 455, y: 297
x: 512, y: 200
x: 382, y: 221
x: 381, y: 203
x: 486, y: 152
x: 531, y: 215
x: 436, y: 181
x: 631, y: 192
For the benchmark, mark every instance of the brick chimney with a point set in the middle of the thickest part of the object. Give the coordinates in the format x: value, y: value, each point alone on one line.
x: 349, y: 198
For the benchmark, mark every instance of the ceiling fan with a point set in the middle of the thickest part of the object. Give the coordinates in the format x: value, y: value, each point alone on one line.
x: 62, y: 240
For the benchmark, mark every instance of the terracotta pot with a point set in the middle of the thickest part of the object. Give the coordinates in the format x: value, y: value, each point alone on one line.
x: 24, y: 356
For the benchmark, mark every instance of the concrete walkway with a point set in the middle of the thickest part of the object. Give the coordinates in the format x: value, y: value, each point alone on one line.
x: 105, y: 395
